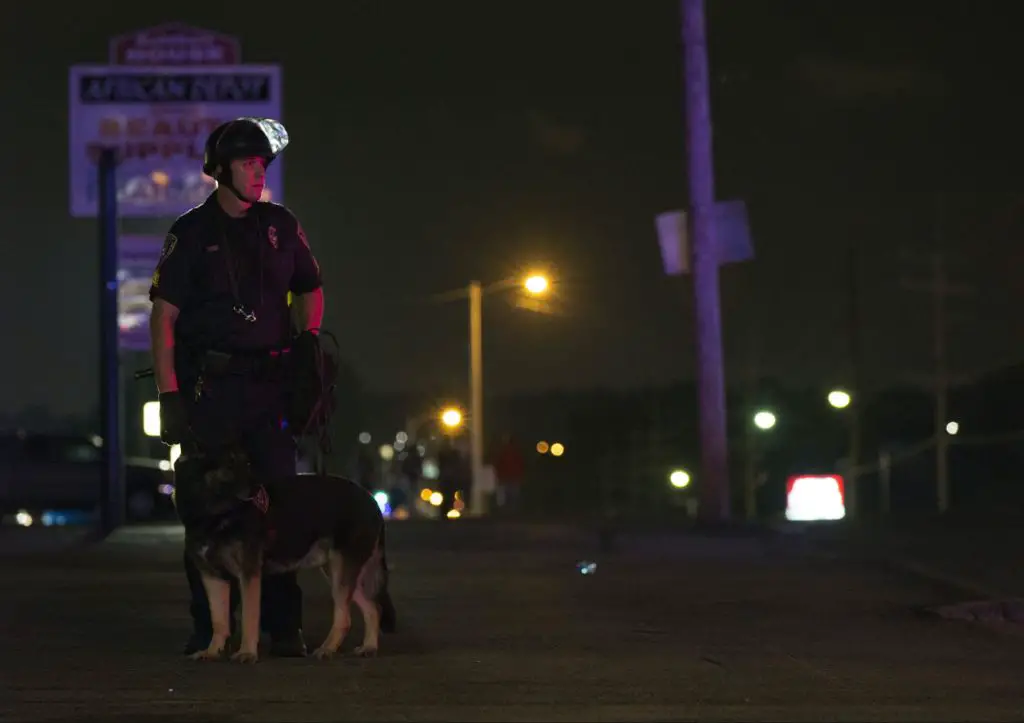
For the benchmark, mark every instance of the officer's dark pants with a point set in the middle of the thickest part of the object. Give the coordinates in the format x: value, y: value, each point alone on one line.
x: 246, y: 410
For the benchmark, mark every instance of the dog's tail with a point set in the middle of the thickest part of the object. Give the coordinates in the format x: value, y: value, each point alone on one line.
x: 388, y: 615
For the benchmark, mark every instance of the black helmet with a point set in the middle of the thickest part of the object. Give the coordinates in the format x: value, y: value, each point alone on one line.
x: 243, y: 138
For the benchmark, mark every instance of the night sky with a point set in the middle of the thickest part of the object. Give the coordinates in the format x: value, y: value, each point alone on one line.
x: 436, y: 142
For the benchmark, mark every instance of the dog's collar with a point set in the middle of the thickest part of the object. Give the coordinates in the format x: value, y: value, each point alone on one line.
x: 260, y: 499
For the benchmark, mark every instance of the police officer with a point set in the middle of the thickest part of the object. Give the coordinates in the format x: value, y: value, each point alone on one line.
x: 220, y: 326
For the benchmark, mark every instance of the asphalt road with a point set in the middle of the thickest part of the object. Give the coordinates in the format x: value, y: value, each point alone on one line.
x: 497, y: 624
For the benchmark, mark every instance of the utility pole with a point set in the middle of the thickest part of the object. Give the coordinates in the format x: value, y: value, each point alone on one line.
x: 940, y: 289
x: 857, y: 397
x: 714, y: 479
x: 939, y: 292
x: 476, y: 394
x: 885, y: 482
x: 752, y: 448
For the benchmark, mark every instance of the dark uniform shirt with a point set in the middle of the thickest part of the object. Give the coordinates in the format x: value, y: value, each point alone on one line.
x: 215, y: 269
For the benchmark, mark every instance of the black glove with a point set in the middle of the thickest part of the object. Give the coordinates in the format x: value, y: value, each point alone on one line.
x: 306, y: 350
x: 173, y: 424
x: 313, y: 377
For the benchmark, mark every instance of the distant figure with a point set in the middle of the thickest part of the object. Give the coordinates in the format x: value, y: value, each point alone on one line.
x: 509, y: 466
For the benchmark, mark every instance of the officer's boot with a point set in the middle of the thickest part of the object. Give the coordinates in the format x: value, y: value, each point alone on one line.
x: 281, y: 618
x: 289, y: 644
x: 199, y: 609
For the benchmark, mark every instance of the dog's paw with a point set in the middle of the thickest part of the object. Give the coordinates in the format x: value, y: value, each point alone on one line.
x: 209, y: 654
x: 365, y: 651
x: 324, y: 653
x: 243, y: 656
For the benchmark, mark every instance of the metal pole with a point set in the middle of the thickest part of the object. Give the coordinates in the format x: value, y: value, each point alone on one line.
x: 857, y: 400
x: 750, y: 474
x: 885, y: 481
x: 752, y: 449
x: 476, y: 392
x: 941, y: 385
x: 940, y: 287
x: 112, y: 485
x: 714, y: 480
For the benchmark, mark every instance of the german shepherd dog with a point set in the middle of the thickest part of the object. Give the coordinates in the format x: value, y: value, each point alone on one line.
x: 237, y: 526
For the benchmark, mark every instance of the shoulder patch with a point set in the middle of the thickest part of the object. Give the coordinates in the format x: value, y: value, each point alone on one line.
x: 170, y: 242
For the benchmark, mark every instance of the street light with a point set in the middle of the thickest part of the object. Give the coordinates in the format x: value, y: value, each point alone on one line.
x: 839, y: 399
x: 764, y: 420
x: 451, y: 418
x: 679, y: 478
x: 536, y: 285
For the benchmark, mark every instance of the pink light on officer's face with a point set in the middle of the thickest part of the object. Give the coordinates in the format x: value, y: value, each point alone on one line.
x: 250, y: 176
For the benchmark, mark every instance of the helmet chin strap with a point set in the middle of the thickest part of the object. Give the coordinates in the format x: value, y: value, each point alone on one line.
x: 224, y: 179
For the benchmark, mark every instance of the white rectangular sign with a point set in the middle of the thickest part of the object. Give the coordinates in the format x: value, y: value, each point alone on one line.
x: 732, y: 236
x: 157, y: 119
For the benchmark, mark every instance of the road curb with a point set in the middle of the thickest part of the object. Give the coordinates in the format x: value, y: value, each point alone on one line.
x: 958, y: 585
x: 963, y: 586
x: 984, y: 605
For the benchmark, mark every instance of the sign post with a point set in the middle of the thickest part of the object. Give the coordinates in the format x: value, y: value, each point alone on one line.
x: 112, y: 485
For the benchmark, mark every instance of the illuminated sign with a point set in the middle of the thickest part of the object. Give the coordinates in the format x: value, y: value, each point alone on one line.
x: 175, y: 44
x: 157, y: 117
x: 810, y: 498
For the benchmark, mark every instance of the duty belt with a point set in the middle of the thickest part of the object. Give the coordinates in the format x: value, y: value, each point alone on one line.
x: 215, y: 363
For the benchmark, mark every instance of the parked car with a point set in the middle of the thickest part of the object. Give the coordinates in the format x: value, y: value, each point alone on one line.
x: 64, y: 472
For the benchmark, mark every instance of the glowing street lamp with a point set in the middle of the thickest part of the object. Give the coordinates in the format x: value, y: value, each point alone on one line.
x: 839, y: 399
x: 764, y: 420
x: 679, y: 478
x: 451, y: 418
x: 536, y: 284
